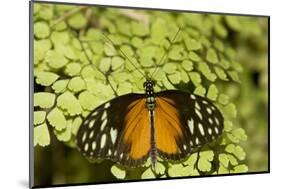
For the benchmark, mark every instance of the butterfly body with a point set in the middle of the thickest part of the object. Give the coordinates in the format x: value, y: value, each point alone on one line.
x: 130, y: 128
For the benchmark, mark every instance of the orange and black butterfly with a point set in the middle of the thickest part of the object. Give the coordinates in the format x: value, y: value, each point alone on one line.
x: 131, y: 128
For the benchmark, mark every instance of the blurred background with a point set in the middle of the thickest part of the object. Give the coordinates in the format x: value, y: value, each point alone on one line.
x: 60, y: 163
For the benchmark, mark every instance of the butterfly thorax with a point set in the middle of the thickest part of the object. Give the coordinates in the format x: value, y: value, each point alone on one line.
x: 150, y: 95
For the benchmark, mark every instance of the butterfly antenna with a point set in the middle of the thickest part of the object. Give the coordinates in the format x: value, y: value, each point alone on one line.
x: 123, y: 54
x: 165, y: 54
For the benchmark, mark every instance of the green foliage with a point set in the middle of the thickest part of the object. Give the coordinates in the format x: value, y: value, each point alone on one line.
x: 202, y: 61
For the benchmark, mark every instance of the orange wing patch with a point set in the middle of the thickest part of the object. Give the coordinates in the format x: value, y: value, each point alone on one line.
x: 137, y: 130
x: 167, y: 126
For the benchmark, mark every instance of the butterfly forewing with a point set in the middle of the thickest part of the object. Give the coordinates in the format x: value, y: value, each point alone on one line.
x: 108, y: 131
x: 194, y: 121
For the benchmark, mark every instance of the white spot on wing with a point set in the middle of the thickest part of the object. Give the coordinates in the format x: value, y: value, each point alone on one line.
x: 94, y: 113
x: 103, y: 125
x: 94, y: 144
x: 216, y: 130
x: 209, y: 110
x: 201, y: 129
x: 210, y: 131
x: 197, y: 140
x: 92, y: 123
x: 121, y: 155
x: 191, y: 143
x: 190, y: 124
x: 184, y: 147
x: 204, y: 102
x: 210, y: 120
x: 197, y: 106
x: 109, y: 152
x: 113, y: 135
x: 84, y: 137
x: 104, y: 115
x: 103, y: 140
x: 91, y: 134
x: 217, y: 121
x: 199, y: 114
x: 86, y: 147
x: 192, y: 97
x: 107, y: 105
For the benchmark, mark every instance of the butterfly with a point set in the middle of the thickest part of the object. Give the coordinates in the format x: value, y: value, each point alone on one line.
x: 131, y: 128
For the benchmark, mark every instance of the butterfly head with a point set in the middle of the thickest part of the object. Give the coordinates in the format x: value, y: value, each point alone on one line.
x: 148, y: 85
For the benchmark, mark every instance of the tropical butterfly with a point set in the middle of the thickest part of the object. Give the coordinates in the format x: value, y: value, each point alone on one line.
x: 133, y: 127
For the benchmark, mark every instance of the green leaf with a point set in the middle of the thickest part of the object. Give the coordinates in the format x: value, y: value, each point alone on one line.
x: 118, y: 172
x: 192, y: 44
x: 184, y: 76
x: 105, y: 64
x: 117, y: 62
x: 176, y: 170
x: 46, y: 78
x: 233, y: 23
x: 169, y: 68
x: 41, y: 30
x: 55, y: 60
x: 139, y: 29
x: 228, y: 126
x: 234, y: 76
x: 175, y: 78
x: 177, y: 53
x: 223, y: 99
x: 137, y: 42
x: 236, y: 150
x: 46, y: 12
x: 240, y: 134
x: 88, y: 101
x: 204, y: 163
x: 221, y: 73
x: 109, y: 50
x: 76, y: 84
x: 57, y: 119
x: 212, y: 92
x: 205, y: 70
x: 77, y: 21
x: 93, y: 34
x: 223, y: 158
x: 76, y: 125
x: 44, y: 99
x: 39, y: 117
x: 41, y: 135
x: 41, y: 47
x: 60, y: 38
x: 187, y: 65
x: 212, y: 56
x: 200, y: 90
x: 64, y: 135
x: 73, y: 69
x: 194, y: 57
x: 220, y: 30
x: 148, y: 174
x: 158, y: 31
x: 240, y: 169
x: 230, y: 110
x: 67, y: 101
x: 195, y: 78
x: 60, y: 85
x: 160, y: 168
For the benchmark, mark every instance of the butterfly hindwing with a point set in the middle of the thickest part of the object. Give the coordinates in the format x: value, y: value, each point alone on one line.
x: 108, y: 131
x: 190, y: 122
